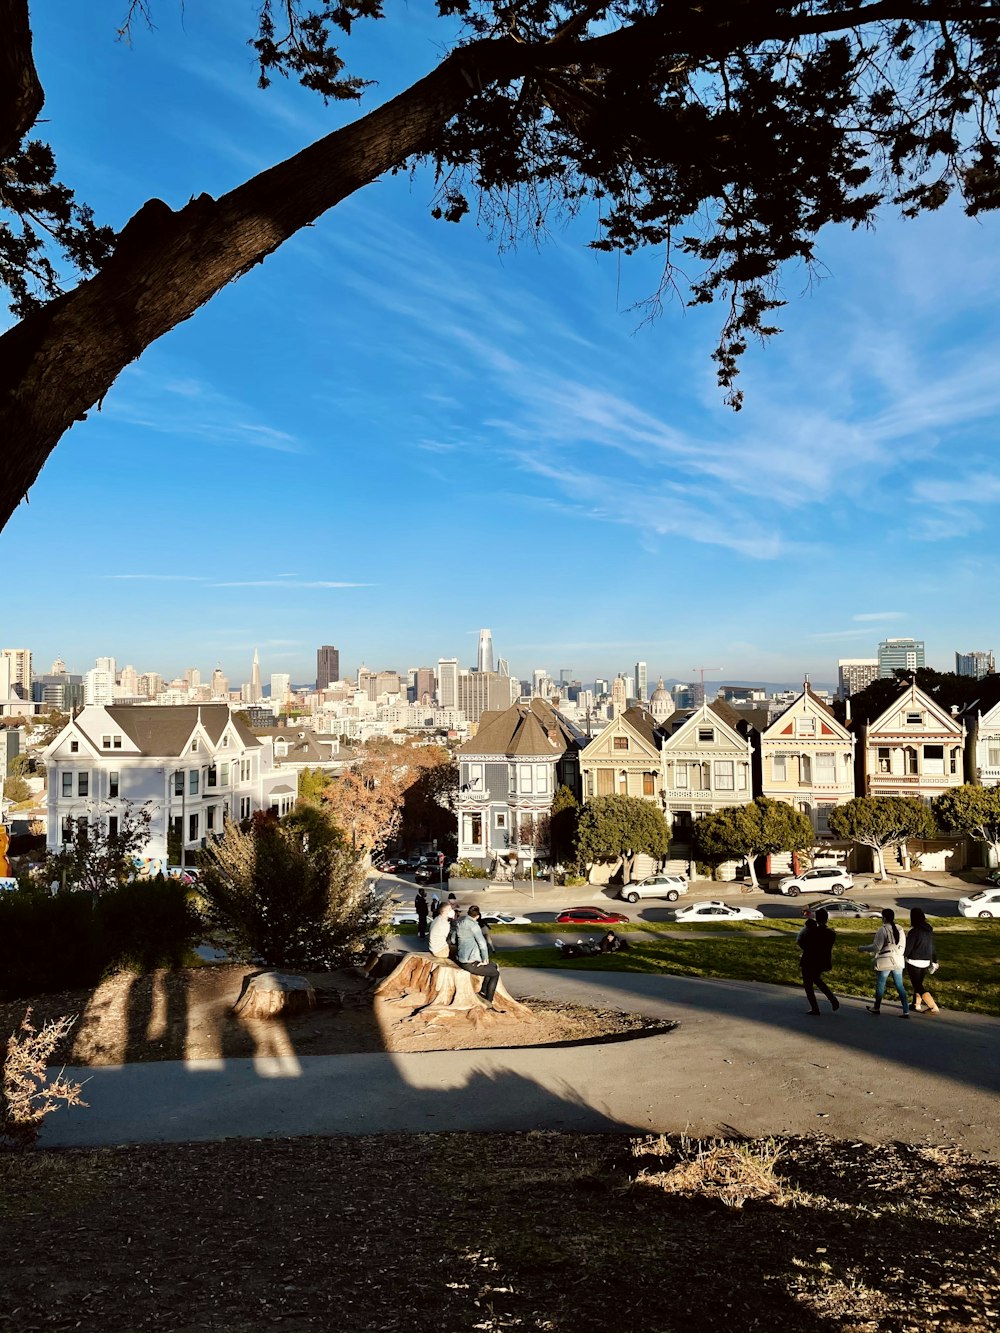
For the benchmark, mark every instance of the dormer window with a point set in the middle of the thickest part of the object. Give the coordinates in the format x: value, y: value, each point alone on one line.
x: 225, y: 742
x: 914, y: 719
x: 807, y: 726
x: 194, y: 746
x: 105, y: 742
x: 621, y: 742
x: 116, y: 742
x: 74, y: 747
x: 706, y: 734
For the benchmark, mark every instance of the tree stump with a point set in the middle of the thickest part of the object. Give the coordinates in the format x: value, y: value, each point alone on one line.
x: 437, y: 990
x: 267, y: 994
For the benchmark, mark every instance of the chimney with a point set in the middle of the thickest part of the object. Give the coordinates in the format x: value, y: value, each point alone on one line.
x: 847, y: 709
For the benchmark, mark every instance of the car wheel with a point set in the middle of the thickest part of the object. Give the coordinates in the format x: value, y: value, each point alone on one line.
x: 793, y: 890
x: 838, y: 890
x: 672, y: 896
x: 632, y: 897
x: 985, y: 915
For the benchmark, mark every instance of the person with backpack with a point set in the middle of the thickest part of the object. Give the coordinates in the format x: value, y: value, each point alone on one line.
x: 921, y: 960
x: 816, y: 940
x: 888, y: 947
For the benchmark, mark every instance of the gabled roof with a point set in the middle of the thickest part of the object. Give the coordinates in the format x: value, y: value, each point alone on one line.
x: 720, y: 712
x: 532, y: 728
x: 643, y: 722
x: 166, y: 729
x: 827, y: 716
x: 913, y: 694
x: 636, y: 720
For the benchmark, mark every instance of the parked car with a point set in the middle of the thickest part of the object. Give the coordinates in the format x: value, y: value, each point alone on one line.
x: 388, y: 865
x: 821, y: 879
x: 590, y: 916
x: 655, y: 886
x: 985, y: 903
x: 843, y: 908
x: 716, y: 911
x: 504, y: 919
x: 431, y: 873
x: 993, y: 877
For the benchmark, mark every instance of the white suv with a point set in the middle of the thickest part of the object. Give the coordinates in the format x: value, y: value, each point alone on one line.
x: 656, y: 886
x: 821, y: 879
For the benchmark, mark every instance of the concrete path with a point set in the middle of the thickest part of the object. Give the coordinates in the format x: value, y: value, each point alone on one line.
x: 746, y: 1057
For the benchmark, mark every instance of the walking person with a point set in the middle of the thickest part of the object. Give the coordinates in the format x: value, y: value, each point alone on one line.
x: 422, y: 909
x: 921, y: 960
x: 816, y: 940
x: 888, y: 947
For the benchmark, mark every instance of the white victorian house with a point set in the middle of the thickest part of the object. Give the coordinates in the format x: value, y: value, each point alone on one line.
x: 624, y: 758
x: 807, y: 759
x: 983, y: 755
x: 915, y: 748
x: 508, y: 775
x: 196, y: 764
x: 707, y: 765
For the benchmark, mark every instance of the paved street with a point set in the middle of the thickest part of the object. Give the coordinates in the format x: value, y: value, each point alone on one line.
x: 744, y: 1057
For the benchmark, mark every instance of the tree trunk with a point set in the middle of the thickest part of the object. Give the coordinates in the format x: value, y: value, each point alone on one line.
x: 437, y: 990
x: 753, y: 870
x: 880, y: 862
x: 268, y: 994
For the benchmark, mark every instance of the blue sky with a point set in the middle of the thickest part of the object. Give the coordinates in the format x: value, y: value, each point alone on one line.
x: 389, y: 434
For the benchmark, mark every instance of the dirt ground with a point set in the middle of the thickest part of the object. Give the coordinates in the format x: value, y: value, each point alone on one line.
x: 187, y: 1014
x: 456, y: 1233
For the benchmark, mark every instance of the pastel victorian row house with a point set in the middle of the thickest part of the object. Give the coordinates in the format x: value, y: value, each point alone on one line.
x: 196, y: 766
x: 807, y: 759
x: 508, y: 774
x: 982, y: 720
x: 915, y: 748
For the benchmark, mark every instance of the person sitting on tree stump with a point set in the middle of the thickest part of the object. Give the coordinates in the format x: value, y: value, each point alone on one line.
x: 473, y: 956
x: 477, y: 916
x: 441, y: 931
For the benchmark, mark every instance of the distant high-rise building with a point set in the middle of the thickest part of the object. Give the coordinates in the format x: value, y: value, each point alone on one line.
x: 327, y: 666
x: 619, y: 695
x: 855, y: 674
x: 424, y: 685
x: 129, y: 682
x: 484, y: 660
x: 255, y: 692
x: 479, y: 691
x: 220, y: 685
x: 899, y: 655
x: 975, y: 664
x: 538, y: 679
x: 447, y: 682
x: 388, y: 682
x: 641, y: 681
x: 151, y: 683
x: 601, y: 686
x: 58, y: 667
x: 99, y: 685
x: 281, y: 687
x: 20, y: 671
x: 57, y: 690
x: 107, y: 664
x: 367, y: 681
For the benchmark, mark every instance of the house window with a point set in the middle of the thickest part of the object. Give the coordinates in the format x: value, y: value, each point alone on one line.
x: 112, y: 826
x: 474, y: 830
x: 244, y: 807
x: 953, y: 767
x: 113, y: 784
x: 993, y: 756
x: 805, y: 768
x: 706, y: 734
x: 541, y: 778
x: 192, y: 828
x: 914, y: 719
x: 67, y: 829
x: 74, y: 747
x: 210, y: 818
x: 826, y: 767
x: 116, y: 742
x: 934, y: 759
x: 725, y: 777
x: 193, y: 782
x: 910, y: 760
x: 681, y: 779
x: 225, y: 742
x: 649, y: 784
x: 67, y: 784
x: 178, y: 784
x: 779, y: 767
x: 525, y: 777
x: 211, y: 776
x: 741, y: 777
x: 620, y: 742
x: 83, y: 784
x: 605, y: 781
x: 224, y: 774
x: 502, y: 820
x: 807, y: 726
x: 105, y: 742
x: 177, y: 827
x: 884, y: 760
x: 194, y: 746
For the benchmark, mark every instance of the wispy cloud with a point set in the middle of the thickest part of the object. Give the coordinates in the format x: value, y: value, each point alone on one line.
x: 288, y: 583
x: 881, y: 615
x: 842, y: 634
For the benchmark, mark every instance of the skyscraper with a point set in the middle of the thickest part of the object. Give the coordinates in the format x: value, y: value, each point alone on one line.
x: 899, y: 655
x: 255, y: 693
x: 975, y: 664
x: 640, y: 681
x: 424, y: 685
x: 447, y: 682
x: 854, y: 674
x: 20, y: 671
x: 619, y: 695
x: 327, y: 666
x: 484, y: 662
x: 281, y: 684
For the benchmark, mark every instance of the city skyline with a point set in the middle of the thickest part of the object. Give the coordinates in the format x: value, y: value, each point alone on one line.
x: 339, y: 443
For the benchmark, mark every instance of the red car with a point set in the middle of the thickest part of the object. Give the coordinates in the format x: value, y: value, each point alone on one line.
x: 591, y: 916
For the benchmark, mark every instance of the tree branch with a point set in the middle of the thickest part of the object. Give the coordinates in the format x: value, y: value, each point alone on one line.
x: 21, y: 94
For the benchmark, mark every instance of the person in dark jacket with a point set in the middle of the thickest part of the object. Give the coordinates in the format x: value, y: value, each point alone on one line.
x: 422, y: 908
x: 921, y: 961
x: 816, y: 940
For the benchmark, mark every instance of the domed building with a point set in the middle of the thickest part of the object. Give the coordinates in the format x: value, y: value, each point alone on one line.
x: 661, y: 703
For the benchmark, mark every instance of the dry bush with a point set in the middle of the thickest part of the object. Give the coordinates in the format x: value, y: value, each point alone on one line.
x: 27, y: 1092
x: 732, y: 1172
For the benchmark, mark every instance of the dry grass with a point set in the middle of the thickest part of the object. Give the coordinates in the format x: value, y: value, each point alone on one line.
x: 731, y: 1171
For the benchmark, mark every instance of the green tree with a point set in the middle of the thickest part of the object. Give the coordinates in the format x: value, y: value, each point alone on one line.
x: 726, y: 136
x: 974, y: 811
x: 49, y: 726
x: 564, y: 818
x: 16, y: 789
x: 102, y: 856
x: 613, y: 827
x: 881, y: 822
x: 313, y: 782
x: 760, y: 828
x: 291, y: 893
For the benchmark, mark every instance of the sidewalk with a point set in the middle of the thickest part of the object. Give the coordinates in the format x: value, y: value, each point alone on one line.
x: 745, y: 1058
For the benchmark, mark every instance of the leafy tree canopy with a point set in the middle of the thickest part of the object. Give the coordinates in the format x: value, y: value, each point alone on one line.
x: 879, y: 822
x: 972, y: 810
x: 762, y: 827
x: 613, y: 827
x: 98, y: 859
x: 726, y: 136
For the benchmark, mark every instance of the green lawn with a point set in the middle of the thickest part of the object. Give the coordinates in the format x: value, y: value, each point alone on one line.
x: 968, y: 951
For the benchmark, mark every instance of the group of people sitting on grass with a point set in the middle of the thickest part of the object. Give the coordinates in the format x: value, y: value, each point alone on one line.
x: 893, y: 949
x: 462, y: 937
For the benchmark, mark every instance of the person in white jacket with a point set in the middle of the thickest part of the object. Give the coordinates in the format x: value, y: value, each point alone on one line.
x: 888, y: 946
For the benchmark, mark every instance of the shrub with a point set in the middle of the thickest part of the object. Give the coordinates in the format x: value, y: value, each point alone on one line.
x: 573, y: 881
x: 27, y: 1092
x: 466, y: 870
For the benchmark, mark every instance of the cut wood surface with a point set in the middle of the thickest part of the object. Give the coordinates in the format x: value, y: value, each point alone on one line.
x: 436, y: 989
x: 267, y: 994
